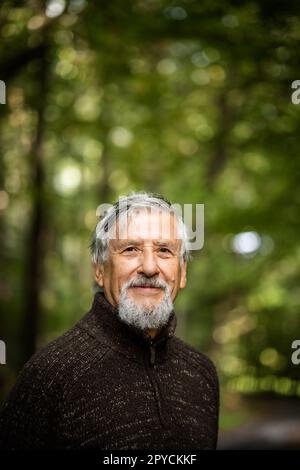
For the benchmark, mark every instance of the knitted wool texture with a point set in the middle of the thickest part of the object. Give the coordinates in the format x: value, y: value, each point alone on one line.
x: 105, y: 385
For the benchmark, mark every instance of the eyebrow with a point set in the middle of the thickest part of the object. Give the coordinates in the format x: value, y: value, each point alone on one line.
x: 165, y: 243
x: 122, y: 243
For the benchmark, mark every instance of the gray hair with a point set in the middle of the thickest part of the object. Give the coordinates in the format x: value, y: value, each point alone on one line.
x: 125, y: 206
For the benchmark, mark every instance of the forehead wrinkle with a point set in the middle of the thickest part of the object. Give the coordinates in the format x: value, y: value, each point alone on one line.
x: 152, y: 219
x: 139, y: 241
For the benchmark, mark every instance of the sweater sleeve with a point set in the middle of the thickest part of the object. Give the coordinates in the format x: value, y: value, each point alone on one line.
x: 213, y: 394
x: 216, y: 391
x: 27, y: 420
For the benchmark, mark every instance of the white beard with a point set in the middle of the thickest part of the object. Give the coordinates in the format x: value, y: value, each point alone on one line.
x: 145, y: 316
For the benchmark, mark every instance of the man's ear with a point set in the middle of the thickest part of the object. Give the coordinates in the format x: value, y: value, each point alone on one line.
x: 183, y: 276
x: 99, y: 274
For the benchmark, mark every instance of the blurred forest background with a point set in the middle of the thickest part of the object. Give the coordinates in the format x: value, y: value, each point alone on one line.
x: 187, y: 98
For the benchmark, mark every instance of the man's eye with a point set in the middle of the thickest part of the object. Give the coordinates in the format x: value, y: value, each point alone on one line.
x: 165, y: 250
x: 131, y: 248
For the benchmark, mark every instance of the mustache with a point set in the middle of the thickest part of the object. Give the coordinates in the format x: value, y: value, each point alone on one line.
x: 146, y: 282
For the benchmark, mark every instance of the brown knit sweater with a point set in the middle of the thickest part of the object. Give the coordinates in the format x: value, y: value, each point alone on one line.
x: 105, y: 385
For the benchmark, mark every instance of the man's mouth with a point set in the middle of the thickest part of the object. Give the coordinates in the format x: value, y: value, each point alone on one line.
x: 146, y: 289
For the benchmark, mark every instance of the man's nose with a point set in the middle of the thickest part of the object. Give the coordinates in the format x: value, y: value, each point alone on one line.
x: 148, y: 265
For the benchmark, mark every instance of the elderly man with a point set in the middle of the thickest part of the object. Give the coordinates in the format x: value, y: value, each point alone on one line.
x: 120, y: 378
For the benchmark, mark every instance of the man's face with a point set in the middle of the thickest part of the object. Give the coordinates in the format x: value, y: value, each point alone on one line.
x: 146, y: 248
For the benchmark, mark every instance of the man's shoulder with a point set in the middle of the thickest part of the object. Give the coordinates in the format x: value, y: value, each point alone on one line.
x: 70, y: 351
x: 195, y: 358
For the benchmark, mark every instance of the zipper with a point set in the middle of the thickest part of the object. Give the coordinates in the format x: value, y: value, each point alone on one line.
x: 152, y: 375
x: 153, y: 343
x: 152, y: 354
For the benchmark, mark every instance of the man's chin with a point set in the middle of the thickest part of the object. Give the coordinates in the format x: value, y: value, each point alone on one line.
x: 144, y: 312
x: 145, y: 302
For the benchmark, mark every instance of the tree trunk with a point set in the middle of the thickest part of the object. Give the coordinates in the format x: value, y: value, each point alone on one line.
x: 34, y: 269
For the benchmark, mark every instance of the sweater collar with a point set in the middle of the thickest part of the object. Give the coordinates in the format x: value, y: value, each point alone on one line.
x: 103, y: 322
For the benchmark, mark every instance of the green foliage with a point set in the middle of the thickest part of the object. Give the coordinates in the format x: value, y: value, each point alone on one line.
x: 189, y: 99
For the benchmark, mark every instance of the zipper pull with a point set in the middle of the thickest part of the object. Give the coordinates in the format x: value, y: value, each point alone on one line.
x: 152, y: 354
